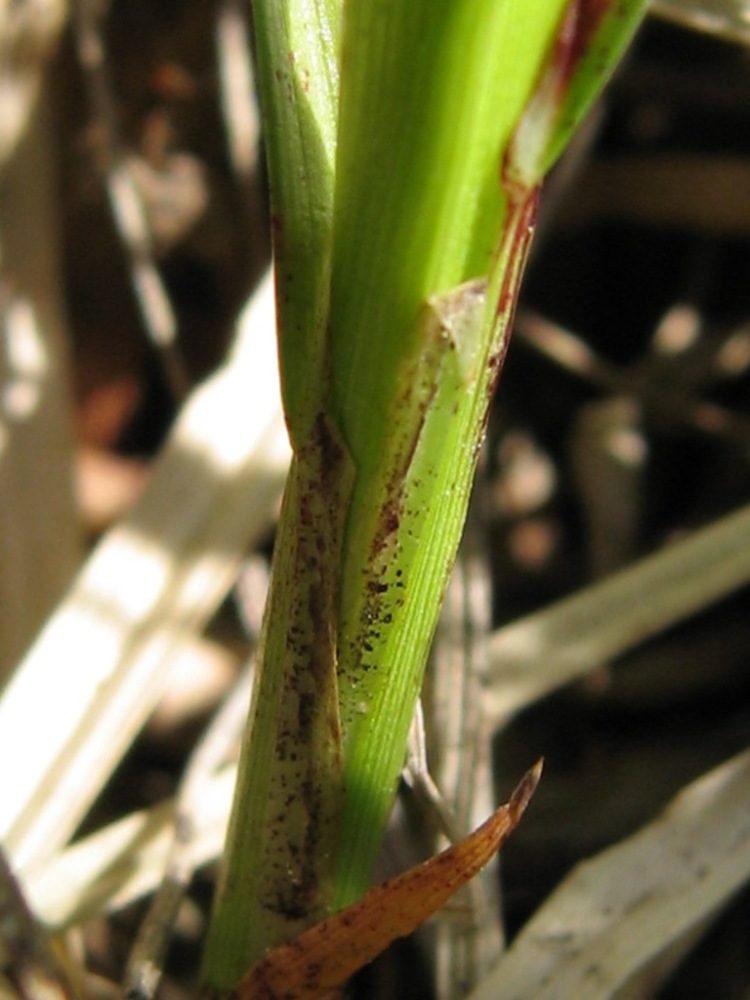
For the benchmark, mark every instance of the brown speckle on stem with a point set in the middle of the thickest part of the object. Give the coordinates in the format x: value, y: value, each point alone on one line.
x: 319, y: 962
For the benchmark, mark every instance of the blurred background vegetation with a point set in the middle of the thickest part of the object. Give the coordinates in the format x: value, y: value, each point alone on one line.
x: 622, y: 420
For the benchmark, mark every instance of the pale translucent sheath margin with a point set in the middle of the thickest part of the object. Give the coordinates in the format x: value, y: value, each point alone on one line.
x: 97, y: 669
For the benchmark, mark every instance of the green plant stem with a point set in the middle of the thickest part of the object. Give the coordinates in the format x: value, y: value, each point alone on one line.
x: 397, y: 279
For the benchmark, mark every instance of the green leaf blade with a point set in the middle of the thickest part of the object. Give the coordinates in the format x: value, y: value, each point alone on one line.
x: 297, y: 53
x: 419, y: 204
x: 418, y: 199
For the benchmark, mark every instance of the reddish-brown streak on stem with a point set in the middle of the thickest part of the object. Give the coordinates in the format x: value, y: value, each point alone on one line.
x: 580, y: 22
x: 514, y: 247
x: 322, y: 959
x: 521, y: 219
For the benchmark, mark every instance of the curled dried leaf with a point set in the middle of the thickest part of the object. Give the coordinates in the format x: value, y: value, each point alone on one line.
x: 319, y: 962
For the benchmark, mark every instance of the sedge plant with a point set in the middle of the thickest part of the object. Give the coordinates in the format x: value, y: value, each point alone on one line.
x: 406, y: 146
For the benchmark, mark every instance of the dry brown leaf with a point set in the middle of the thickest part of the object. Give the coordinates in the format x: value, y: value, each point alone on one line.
x: 319, y: 962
